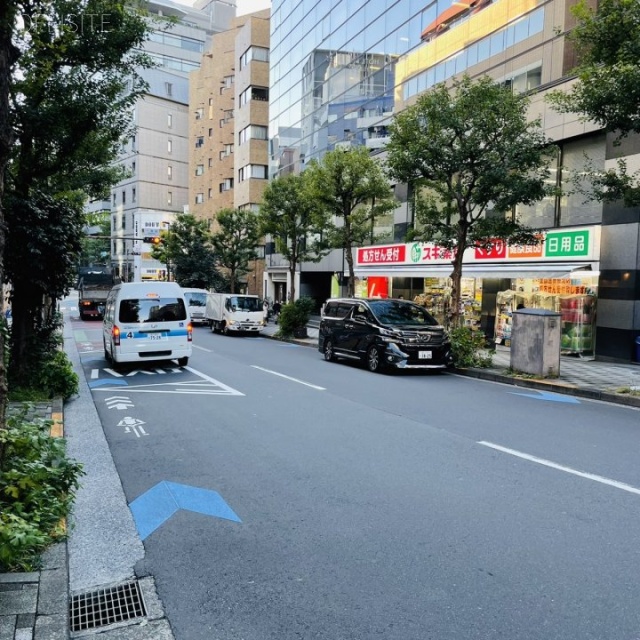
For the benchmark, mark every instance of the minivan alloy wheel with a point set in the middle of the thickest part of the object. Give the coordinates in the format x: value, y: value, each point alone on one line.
x: 329, y: 354
x: 374, y: 359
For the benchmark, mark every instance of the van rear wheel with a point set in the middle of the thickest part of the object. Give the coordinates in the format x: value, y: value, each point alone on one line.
x: 183, y: 362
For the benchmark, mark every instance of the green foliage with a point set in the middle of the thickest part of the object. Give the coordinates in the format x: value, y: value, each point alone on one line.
x: 291, y: 215
x: 608, y: 87
x: 57, y: 377
x: 49, y: 373
x: 295, y: 315
x: 37, y: 488
x: 469, y: 348
x: 187, y: 249
x: 94, y: 250
x: 472, y: 155
x: 72, y: 86
x: 236, y: 241
x: 350, y: 185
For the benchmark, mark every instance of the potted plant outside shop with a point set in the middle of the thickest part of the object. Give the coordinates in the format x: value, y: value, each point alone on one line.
x: 294, y: 317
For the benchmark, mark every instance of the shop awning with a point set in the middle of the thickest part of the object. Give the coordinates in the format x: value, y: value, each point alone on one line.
x: 526, y: 270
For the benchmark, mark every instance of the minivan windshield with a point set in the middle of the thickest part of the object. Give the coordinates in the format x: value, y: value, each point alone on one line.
x: 401, y: 313
x: 243, y: 303
x: 195, y: 299
x: 152, y: 310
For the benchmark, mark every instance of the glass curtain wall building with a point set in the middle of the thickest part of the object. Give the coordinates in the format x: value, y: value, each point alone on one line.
x: 339, y: 71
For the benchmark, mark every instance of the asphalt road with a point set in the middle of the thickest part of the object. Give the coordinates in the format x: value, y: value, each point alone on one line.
x: 283, y: 497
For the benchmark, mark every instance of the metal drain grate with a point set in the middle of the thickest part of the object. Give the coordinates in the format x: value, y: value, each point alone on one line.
x: 106, y: 606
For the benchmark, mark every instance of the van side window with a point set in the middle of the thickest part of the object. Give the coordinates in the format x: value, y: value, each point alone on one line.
x: 343, y: 310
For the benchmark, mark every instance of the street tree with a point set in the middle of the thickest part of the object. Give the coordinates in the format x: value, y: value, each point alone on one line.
x: 186, y: 247
x: 8, y: 15
x: 291, y: 216
x: 72, y: 86
x: 350, y: 187
x: 96, y: 245
x: 235, y: 244
x: 471, y: 156
x: 607, y: 91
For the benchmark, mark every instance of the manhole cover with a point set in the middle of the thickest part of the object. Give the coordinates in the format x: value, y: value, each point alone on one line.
x: 106, y: 606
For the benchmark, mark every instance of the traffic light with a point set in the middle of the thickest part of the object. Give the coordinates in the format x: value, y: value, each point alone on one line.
x: 154, y: 240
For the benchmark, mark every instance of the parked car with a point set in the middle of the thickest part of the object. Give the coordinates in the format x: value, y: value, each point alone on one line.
x: 383, y: 333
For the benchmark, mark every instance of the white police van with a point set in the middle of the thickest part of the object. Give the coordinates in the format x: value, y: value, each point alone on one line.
x: 147, y: 321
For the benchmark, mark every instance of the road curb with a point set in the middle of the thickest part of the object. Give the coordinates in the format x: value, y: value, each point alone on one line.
x: 553, y: 386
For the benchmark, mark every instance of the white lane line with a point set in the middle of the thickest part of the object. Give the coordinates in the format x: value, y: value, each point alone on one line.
x: 275, y: 373
x: 195, y: 346
x: 204, y: 376
x: 560, y: 467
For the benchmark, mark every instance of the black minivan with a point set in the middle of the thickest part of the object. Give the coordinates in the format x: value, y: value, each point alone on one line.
x: 383, y: 333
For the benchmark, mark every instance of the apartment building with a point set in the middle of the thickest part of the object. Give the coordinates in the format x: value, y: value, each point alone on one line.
x: 156, y: 157
x: 591, y: 257
x: 228, y: 127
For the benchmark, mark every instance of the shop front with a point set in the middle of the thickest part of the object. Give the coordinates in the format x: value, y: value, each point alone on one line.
x: 559, y: 274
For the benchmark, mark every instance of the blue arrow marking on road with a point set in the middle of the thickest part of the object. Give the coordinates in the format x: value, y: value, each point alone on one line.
x: 156, y: 506
x: 106, y: 381
x: 547, y: 395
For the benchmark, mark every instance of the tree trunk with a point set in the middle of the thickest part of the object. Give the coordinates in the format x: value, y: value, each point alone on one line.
x: 8, y: 10
x: 25, y: 306
x: 232, y: 279
x: 456, y: 277
x: 351, y: 287
x: 292, y: 275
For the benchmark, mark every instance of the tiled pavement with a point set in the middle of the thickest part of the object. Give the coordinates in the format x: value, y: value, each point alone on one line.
x: 34, y: 606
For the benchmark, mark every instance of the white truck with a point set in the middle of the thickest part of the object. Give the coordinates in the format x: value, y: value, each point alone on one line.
x: 237, y: 313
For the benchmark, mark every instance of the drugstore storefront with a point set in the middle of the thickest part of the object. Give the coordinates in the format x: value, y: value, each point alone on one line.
x: 560, y: 274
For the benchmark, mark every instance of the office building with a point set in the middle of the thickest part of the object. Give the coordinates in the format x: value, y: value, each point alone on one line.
x: 156, y: 156
x: 591, y: 257
x: 228, y: 134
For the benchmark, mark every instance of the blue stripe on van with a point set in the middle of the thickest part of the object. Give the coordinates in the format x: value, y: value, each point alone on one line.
x: 173, y: 333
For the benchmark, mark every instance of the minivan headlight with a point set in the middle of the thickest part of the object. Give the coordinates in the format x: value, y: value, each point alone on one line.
x: 389, y: 335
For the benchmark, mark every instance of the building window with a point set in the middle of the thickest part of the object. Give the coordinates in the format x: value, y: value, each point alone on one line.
x: 133, y: 168
x: 199, y: 142
x: 169, y: 145
x: 210, y: 163
x: 258, y: 171
x: 199, y: 198
x: 168, y: 88
x: 210, y: 132
x: 169, y: 197
x: 253, y: 132
x: 113, y: 198
x: 254, y: 93
x: 133, y: 194
x: 254, y: 53
x: 124, y: 197
x: 199, y: 169
x: 199, y: 113
x: 210, y: 102
x: 226, y: 185
x: 226, y: 152
x: 169, y: 172
x: 210, y: 194
x: 169, y: 120
x: 133, y: 143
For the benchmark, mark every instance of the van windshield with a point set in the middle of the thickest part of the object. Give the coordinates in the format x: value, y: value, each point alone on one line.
x: 196, y: 299
x: 152, y: 310
x: 401, y: 313
x: 241, y: 303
